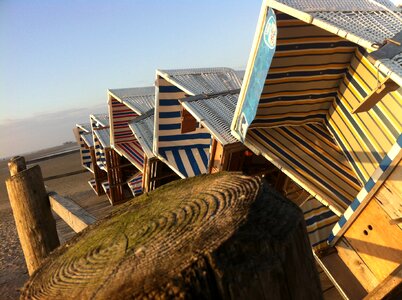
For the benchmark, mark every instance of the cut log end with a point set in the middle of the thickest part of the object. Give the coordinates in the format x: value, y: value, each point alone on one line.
x: 16, y: 165
x: 221, y: 236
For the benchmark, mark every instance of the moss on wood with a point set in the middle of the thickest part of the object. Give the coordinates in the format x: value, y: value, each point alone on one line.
x: 190, y: 238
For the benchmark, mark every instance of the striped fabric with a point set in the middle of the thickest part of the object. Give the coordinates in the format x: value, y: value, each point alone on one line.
x: 214, y: 112
x: 135, y: 184
x: 138, y: 99
x: 100, y: 153
x: 187, y: 154
x: 311, y: 156
x: 106, y: 187
x: 143, y: 129
x: 133, y: 152
x: 315, y: 82
x: 84, y: 152
x: 319, y: 222
x: 304, y: 76
x: 92, y: 184
x: 364, y: 137
x: 361, y: 197
x: 120, y: 116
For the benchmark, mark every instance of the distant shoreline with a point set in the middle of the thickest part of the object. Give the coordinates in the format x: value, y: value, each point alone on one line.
x: 44, y: 154
x: 52, y: 155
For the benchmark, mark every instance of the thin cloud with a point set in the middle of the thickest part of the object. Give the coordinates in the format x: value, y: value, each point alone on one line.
x: 42, y: 130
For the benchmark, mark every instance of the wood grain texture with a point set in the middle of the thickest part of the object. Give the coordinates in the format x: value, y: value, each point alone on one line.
x: 16, y: 165
x: 341, y: 277
x: 221, y: 236
x: 389, y: 196
x: 389, y: 288
x: 33, y: 218
x: 356, y: 265
x: 376, y: 241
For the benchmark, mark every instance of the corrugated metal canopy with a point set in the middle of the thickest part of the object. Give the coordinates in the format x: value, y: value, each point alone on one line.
x: 394, y: 65
x: 88, y: 139
x: 84, y: 126
x: 203, y: 80
x: 215, y: 112
x: 102, y: 119
x: 103, y: 136
x: 139, y: 99
x: 339, y: 5
x: 143, y: 129
x: 364, y: 22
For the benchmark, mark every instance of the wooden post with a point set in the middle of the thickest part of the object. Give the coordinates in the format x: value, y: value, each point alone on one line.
x: 222, y: 236
x: 29, y: 201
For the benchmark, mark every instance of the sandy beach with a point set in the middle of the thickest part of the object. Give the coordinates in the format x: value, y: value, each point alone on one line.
x: 13, y: 272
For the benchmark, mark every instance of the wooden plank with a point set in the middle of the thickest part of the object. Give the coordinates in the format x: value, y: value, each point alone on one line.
x: 376, y: 241
x: 188, y: 122
x: 370, y: 195
x: 377, y: 95
x: 212, y: 155
x: 217, y: 159
x: 73, y: 214
x: 356, y: 265
x: 389, y: 196
x: 389, y: 288
x: 344, y: 281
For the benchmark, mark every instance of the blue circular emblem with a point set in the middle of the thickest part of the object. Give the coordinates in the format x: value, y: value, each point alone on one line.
x: 270, y: 33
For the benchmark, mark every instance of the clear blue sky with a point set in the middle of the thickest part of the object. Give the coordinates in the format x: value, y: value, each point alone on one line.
x: 59, y: 56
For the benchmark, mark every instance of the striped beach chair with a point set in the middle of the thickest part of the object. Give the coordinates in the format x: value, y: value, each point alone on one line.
x: 179, y: 140
x: 156, y: 173
x: 124, y: 106
x: 85, y: 152
x: 320, y: 100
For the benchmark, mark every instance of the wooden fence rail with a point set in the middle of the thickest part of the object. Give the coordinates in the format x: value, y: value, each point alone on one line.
x: 74, y: 215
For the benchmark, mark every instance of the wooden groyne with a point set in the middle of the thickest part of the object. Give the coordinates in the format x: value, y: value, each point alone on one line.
x: 225, y: 235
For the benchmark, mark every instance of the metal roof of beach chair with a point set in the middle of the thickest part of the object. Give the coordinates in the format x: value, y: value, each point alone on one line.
x: 185, y: 152
x: 124, y: 106
x: 139, y: 99
x: 88, y: 139
x: 215, y: 112
x: 135, y: 184
x: 143, y: 129
x: 367, y: 23
x: 103, y: 136
x: 323, y: 65
x: 85, y: 153
x: 85, y: 127
x: 99, y: 120
x: 202, y: 80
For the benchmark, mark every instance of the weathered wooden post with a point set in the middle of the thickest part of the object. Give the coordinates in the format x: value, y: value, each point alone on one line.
x: 222, y: 236
x: 29, y: 201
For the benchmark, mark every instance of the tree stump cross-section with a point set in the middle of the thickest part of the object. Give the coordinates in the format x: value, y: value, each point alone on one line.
x: 214, y: 236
